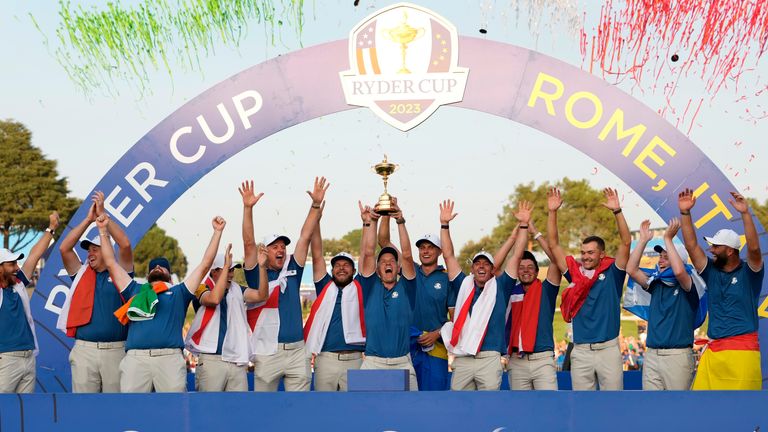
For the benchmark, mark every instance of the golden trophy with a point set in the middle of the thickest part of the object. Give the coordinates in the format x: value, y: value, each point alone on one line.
x: 385, y: 169
x: 404, y: 34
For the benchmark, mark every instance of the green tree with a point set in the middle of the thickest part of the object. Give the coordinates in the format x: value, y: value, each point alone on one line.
x: 30, y: 188
x: 581, y: 215
x: 349, y: 243
x: 157, y: 243
x: 760, y: 210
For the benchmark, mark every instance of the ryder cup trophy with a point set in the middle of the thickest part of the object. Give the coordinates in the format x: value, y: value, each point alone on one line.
x: 385, y: 169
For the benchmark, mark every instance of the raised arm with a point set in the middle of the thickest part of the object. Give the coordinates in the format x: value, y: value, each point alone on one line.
x: 313, y: 217
x: 553, y: 272
x: 250, y: 198
x: 124, y: 251
x: 251, y: 295
x: 754, y: 255
x: 39, y: 248
x: 625, y: 238
x: 119, y: 276
x: 503, y: 251
x: 523, y: 216
x: 318, y: 260
x: 446, y: 216
x: 633, y: 264
x: 68, y: 256
x: 213, y: 298
x: 368, y: 241
x: 685, y: 202
x: 198, y: 273
x: 554, y: 201
x: 675, y: 260
x: 406, y: 259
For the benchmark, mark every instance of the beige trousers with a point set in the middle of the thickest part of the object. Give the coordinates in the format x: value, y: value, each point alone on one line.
x: 535, y: 371
x: 668, y: 369
x: 161, y: 370
x: 597, y: 363
x: 404, y: 362
x: 17, y: 372
x: 216, y: 375
x: 331, y: 370
x: 479, y: 372
x: 96, y: 366
x: 290, y: 362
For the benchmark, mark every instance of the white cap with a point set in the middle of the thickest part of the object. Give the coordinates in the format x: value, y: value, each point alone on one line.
x: 485, y: 255
x: 96, y: 241
x: 725, y: 237
x: 678, y: 247
x: 342, y: 255
x: 218, y: 263
x: 8, y: 256
x: 435, y: 240
x: 268, y: 240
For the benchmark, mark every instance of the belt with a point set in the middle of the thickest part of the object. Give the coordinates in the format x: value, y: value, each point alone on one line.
x: 536, y: 355
x: 390, y: 360
x: 100, y: 345
x: 670, y: 351
x: 290, y: 346
x: 485, y: 354
x: 599, y: 345
x: 25, y: 353
x: 155, y: 352
x: 343, y: 355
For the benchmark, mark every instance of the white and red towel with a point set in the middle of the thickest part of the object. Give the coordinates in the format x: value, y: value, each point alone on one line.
x: 464, y: 335
x: 352, y: 316
x: 203, y: 335
x: 21, y: 290
x: 264, y: 317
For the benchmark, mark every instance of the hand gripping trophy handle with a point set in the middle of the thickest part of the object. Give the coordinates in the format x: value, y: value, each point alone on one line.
x: 385, y: 169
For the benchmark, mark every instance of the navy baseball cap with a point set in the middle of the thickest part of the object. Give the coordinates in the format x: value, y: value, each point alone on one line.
x: 388, y: 250
x: 159, y: 261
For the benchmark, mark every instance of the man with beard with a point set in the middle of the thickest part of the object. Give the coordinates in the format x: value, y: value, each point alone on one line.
x: 18, y: 341
x: 669, y: 363
x: 278, y: 336
x: 88, y: 312
x: 593, y: 299
x: 335, y: 328
x: 433, y: 304
x: 219, y: 334
x: 732, y: 358
x: 388, y: 298
x: 475, y: 336
x: 156, y: 311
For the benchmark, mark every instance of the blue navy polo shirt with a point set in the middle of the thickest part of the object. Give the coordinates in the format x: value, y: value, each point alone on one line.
x: 16, y: 334
x: 671, y: 315
x: 732, y: 299
x: 223, y: 307
x: 388, y: 316
x: 545, y: 340
x: 334, y: 337
x: 598, y: 320
x: 432, y: 299
x: 289, y: 304
x: 495, y: 337
x: 164, y: 330
x: 104, y: 326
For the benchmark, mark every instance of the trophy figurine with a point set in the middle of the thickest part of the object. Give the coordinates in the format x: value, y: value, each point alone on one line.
x: 403, y: 35
x: 385, y: 169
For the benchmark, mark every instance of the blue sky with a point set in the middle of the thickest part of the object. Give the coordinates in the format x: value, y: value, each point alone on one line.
x: 87, y: 137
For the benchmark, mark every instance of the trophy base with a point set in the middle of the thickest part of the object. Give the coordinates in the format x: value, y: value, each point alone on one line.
x: 385, y: 206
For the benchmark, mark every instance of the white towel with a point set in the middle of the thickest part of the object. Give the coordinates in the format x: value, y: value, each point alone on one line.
x: 475, y: 323
x: 352, y: 320
x: 267, y: 328
x: 21, y: 290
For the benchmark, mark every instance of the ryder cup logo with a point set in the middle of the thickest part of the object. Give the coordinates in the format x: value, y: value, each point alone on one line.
x: 403, y: 62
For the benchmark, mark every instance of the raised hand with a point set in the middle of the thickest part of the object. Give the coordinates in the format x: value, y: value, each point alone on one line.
x: 262, y: 256
x: 98, y: 202
x: 554, y: 200
x: 102, y: 221
x: 228, y: 257
x: 92, y: 213
x: 645, y: 231
x: 523, y: 213
x: 686, y: 200
x: 250, y: 198
x: 318, y: 191
x: 218, y: 223
x: 674, y: 226
x: 446, y: 212
x: 53, y: 220
x: 365, y: 212
x: 611, y: 199
x: 739, y: 203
